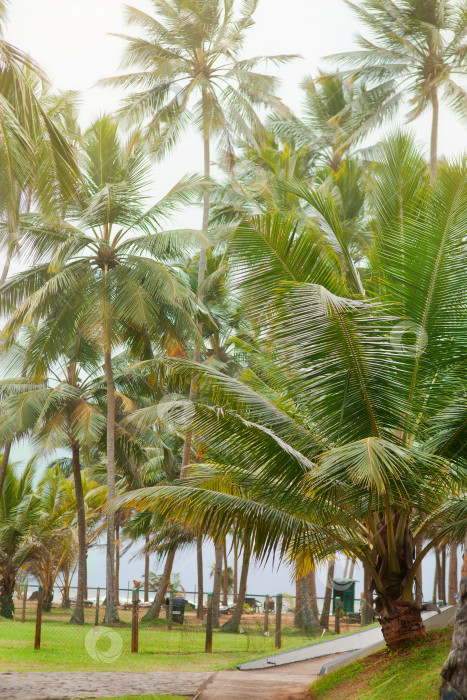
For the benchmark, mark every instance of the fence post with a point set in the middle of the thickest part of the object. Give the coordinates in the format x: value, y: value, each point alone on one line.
x: 37, y: 639
x: 134, y: 622
x: 96, y: 620
x: 266, y: 614
x: 171, y: 609
x: 337, y: 615
x: 25, y: 597
x: 278, y: 643
x: 208, y: 645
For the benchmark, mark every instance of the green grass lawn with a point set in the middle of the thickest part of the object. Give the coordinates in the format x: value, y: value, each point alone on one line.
x: 182, y: 649
x: 412, y: 673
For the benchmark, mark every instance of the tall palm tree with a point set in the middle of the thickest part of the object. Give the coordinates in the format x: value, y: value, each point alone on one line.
x: 190, y: 74
x: 331, y: 434
x: 19, y: 510
x: 418, y: 49
x: 107, y: 272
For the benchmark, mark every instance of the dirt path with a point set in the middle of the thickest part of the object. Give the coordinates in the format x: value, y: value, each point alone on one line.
x: 60, y: 686
x: 289, y: 682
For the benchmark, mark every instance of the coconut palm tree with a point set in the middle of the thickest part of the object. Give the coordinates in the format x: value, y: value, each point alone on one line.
x: 19, y: 510
x: 418, y: 49
x: 189, y: 73
x: 330, y: 434
x: 107, y: 271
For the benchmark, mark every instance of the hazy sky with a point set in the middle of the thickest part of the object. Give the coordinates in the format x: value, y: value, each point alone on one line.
x: 70, y: 39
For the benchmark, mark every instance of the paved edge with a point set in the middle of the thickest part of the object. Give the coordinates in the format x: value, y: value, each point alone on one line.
x: 432, y: 620
x: 204, y: 685
x: 437, y: 621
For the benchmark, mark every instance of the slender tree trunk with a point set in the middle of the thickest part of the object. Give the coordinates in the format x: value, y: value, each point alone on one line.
x: 199, y: 562
x: 146, y: 570
x: 436, y: 578
x: 367, y: 610
x: 235, y: 570
x: 324, y: 619
x: 442, y: 592
x: 6, y: 266
x: 419, y: 576
x: 434, y: 135
x: 154, y: 610
x: 233, y: 624
x: 4, y: 464
x: 86, y: 574
x: 111, y: 612
x: 225, y: 592
x: 452, y: 579
x: 216, y: 599
x: 78, y: 613
x: 454, y: 673
x: 117, y: 560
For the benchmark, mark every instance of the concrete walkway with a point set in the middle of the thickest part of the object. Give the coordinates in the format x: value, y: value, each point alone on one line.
x: 276, y: 683
x: 339, y: 645
x: 60, y: 686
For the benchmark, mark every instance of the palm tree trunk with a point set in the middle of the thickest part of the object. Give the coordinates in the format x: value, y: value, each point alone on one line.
x: 419, y: 576
x: 199, y: 562
x: 434, y: 135
x: 233, y: 624
x: 6, y: 266
x: 146, y: 570
x: 452, y: 579
x: 442, y: 592
x: 225, y: 592
x: 216, y: 599
x: 78, y: 613
x: 367, y: 609
x: 298, y: 602
x: 309, y: 617
x: 117, y: 560
x: 4, y: 464
x: 235, y: 571
x: 111, y: 612
x: 154, y: 610
x: 436, y: 578
x: 324, y: 619
x: 454, y: 673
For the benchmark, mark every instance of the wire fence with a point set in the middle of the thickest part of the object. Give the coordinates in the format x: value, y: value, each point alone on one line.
x: 31, y: 621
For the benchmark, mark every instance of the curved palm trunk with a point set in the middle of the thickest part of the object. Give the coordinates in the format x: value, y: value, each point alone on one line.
x: 216, y: 598
x: 111, y: 612
x: 434, y: 135
x: 78, y: 613
x: 454, y: 673
x: 7, y: 606
x: 235, y: 571
x: 298, y: 602
x: 4, y: 464
x: 233, y: 624
x: 324, y: 619
x: 154, y: 610
x: 452, y: 578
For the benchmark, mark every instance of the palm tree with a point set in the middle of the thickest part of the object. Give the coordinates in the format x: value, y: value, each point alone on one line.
x: 107, y: 272
x: 190, y: 74
x: 419, y: 49
x: 330, y: 434
x: 19, y: 510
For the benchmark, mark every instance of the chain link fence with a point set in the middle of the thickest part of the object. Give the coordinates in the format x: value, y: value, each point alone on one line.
x: 31, y: 621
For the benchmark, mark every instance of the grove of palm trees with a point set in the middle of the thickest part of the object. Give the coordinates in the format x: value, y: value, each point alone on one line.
x: 268, y: 362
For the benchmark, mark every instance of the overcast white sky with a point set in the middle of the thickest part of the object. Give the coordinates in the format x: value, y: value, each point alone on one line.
x: 70, y: 39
